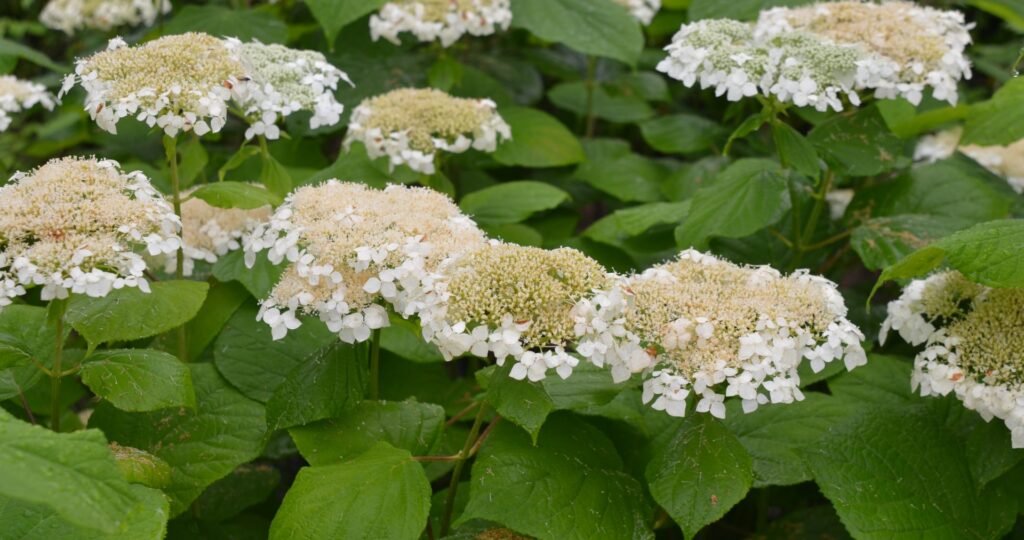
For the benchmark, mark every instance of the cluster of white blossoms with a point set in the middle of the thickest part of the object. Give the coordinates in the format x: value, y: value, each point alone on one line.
x: 706, y: 326
x: 643, y: 10
x: 209, y: 232
x: 1006, y: 161
x: 281, y: 81
x: 17, y: 95
x: 411, y: 125
x: 442, y: 20
x: 814, y: 55
x: 511, y: 301
x: 185, y: 82
x: 354, y: 251
x: 74, y: 225
x: 70, y: 16
x: 972, y: 337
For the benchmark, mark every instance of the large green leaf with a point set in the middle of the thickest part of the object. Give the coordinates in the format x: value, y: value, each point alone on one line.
x: 603, y: 102
x: 222, y: 21
x: 612, y: 168
x: 1010, y: 11
x: 221, y: 303
x: 596, y: 27
x: 884, y: 380
x: 511, y: 202
x: 380, y: 494
x: 333, y: 15
x: 139, y: 379
x: 736, y: 9
x: 17, y: 50
x: 409, y: 425
x: 884, y: 241
x: 538, y: 140
x: 71, y: 474
x: 746, y: 196
x: 681, y: 133
x: 225, y: 430
x: 998, y: 121
x: 25, y: 335
x: 258, y: 280
x: 405, y: 338
x: 699, y: 473
x: 324, y: 385
x: 858, y: 144
x: 523, y: 402
x: 570, y: 485
x: 27, y: 521
x: 236, y: 195
x: 248, y: 485
x: 128, y: 314
x: 627, y: 223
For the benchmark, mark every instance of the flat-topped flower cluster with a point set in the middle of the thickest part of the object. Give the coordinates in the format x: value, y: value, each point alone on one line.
x: 17, y: 95
x: 440, y: 20
x: 972, y: 337
x: 70, y: 16
x: 209, y: 232
x: 816, y: 55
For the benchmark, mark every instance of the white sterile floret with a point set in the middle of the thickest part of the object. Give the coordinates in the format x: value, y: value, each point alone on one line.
x: 411, y: 125
x: 354, y: 252
x: 178, y: 83
x: 75, y: 225
x: 511, y: 301
x: 643, y: 10
x: 70, y: 16
x: 17, y: 95
x: 975, y: 336
x: 1006, y: 161
x: 442, y: 20
x: 281, y: 81
x: 703, y: 326
x: 209, y: 232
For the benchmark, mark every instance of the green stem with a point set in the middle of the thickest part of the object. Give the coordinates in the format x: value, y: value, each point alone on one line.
x: 171, y: 149
x: 591, y: 120
x: 55, y: 378
x: 375, y: 365
x: 453, y: 486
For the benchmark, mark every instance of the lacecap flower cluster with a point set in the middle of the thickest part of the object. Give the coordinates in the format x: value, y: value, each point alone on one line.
x: 70, y: 16
x: 440, y: 20
x: 17, y: 95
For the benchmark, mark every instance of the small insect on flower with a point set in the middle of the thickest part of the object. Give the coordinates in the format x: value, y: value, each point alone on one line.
x: 17, y: 95
x: 643, y: 10
x: 704, y: 325
x: 442, y: 20
x: 1006, y: 161
x: 411, y: 125
x: 76, y: 225
x: 70, y: 16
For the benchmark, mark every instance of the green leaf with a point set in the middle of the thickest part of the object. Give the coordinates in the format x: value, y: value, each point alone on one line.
x: 248, y: 485
x: 599, y: 28
x: 1010, y: 11
x: 589, y: 386
x: 26, y: 521
x: 236, y: 160
x: 570, y: 485
x: 193, y: 161
x: 258, y: 280
x: 525, y: 403
x: 745, y: 197
x: 538, y: 140
x: 884, y: 241
x: 603, y: 103
x: 409, y: 425
x: 225, y: 430
x: 380, y: 494
x: 612, y: 168
x: 322, y: 386
x: 511, y: 202
x: 681, y: 133
x: 274, y: 175
x: 24, y: 335
x: 128, y: 314
x: 333, y: 15
x: 221, y: 303
x: 858, y: 144
x: 405, y: 338
x: 15, y: 49
x: 884, y: 380
x: 897, y: 473
x: 236, y: 195
x: 744, y: 10
x: 445, y: 73
x: 74, y: 474
x: 249, y: 358
x: 627, y: 223
x: 795, y: 151
x: 222, y: 21
x: 139, y: 379
x: 699, y: 473
x: 141, y: 467
x: 998, y: 121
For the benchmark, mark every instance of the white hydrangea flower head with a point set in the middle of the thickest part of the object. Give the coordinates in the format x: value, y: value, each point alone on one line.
x: 17, y: 95
x: 178, y: 83
x: 973, y: 337
x: 354, y: 251
x: 411, y: 125
x: 281, y: 81
x: 511, y: 301
x: 642, y: 10
x: 705, y: 326
x: 441, y: 20
x: 70, y: 16
x: 209, y: 232
x: 76, y: 225
x: 1006, y: 161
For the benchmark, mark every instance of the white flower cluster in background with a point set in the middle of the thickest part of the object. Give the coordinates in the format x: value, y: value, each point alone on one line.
x: 75, y: 225
x: 281, y: 81
x: 209, y: 232
x: 1006, y: 161
x: 510, y: 301
x: 705, y: 326
x: 972, y: 337
x: 442, y: 20
x: 815, y: 55
x: 353, y: 251
x: 643, y: 10
x: 17, y: 95
x: 70, y: 16
x: 411, y: 125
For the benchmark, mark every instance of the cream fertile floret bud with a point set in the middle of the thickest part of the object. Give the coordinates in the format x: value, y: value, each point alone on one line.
x: 410, y: 126
x: 354, y: 252
x: 76, y: 225
x: 70, y: 16
x: 17, y: 95
x: 441, y: 20
x: 703, y: 326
